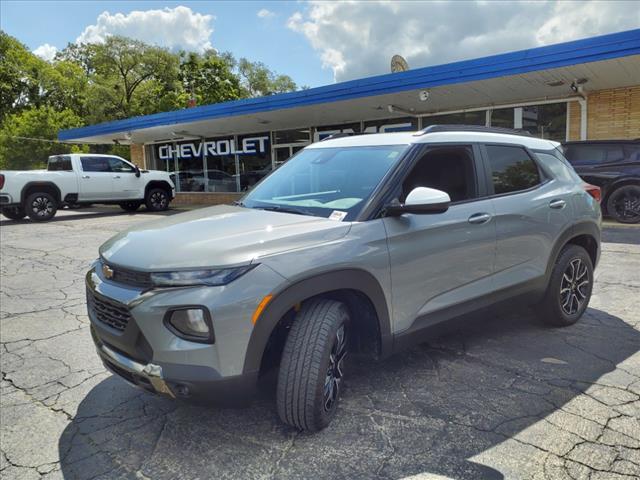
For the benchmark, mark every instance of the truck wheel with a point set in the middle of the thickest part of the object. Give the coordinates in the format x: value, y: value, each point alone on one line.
x: 569, y: 289
x: 130, y: 206
x: 41, y: 206
x: 14, y: 213
x: 311, y: 369
x: 157, y: 200
x: 624, y: 204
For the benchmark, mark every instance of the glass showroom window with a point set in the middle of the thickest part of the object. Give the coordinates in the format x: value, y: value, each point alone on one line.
x: 405, y: 124
x: 546, y: 121
x: 328, y: 130
x: 220, y: 174
x: 255, y: 160
x: 462, y: 118
x: 502, y: 117
x: 188, y: 160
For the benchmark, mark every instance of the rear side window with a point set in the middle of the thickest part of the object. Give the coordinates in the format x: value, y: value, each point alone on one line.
x: 59, y: 163
x: 95, y: 164
x: 593, y: 154
x: 512, y: 169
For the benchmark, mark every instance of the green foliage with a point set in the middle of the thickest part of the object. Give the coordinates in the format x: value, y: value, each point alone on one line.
x: 258, y: 80
x: 23, y: 137
x: 92, y: 83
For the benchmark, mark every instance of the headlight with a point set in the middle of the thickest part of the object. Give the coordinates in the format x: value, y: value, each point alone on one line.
x: 210, y: 278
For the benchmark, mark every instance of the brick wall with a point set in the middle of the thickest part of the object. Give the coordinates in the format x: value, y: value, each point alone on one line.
x: 575, y: 111
x: 202, y: 198
x: 137, y: 155
x: 614, y: 113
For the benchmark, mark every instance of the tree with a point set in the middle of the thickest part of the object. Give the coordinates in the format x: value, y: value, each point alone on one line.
x: 209, y: 77
x: 258, y: 80
x: 24, y: 135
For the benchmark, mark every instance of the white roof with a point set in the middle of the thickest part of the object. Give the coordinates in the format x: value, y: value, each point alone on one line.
x: 408, y: 138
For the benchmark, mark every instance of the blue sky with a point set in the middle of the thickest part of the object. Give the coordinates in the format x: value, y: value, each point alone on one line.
x: 319, y: 42
x: 237, y: 28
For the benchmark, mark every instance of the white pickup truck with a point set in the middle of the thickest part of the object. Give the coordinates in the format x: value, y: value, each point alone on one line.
x: 77, y: 179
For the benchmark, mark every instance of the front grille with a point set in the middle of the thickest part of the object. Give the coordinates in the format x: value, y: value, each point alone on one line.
x: 113, y: 314
x: 130, y: 277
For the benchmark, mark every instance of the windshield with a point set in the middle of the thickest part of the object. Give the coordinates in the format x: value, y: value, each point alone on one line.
x: 325, y: 182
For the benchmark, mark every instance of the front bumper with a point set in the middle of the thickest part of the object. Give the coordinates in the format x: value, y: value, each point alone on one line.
x: 136, y: 344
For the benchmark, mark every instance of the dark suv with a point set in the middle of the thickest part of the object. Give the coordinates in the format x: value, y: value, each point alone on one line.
x: 614, y: 166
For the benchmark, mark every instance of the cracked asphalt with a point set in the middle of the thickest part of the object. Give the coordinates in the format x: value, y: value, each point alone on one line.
x: 500, y: 397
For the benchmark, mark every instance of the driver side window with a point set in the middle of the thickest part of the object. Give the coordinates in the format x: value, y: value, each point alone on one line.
x: 117, y: 165
x: 447, y: 168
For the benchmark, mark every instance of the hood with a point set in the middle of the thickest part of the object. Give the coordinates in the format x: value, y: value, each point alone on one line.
x: 217, y: 237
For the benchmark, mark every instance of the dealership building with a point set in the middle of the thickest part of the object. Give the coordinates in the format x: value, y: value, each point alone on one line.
x: 581, y: 90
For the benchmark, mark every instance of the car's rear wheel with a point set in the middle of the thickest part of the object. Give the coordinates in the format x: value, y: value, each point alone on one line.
x: 130, y: 206
x: 14, y: 213
x: 569, y: 289
x: 312, y: 365
x: 41, y: 206
x: 157, y: 200
x: 623, y: 204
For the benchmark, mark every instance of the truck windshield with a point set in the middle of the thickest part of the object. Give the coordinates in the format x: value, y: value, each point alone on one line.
x: 58, y: 163
x: 325, y: 182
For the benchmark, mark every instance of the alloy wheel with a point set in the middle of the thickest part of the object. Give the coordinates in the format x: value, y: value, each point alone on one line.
x: 627, y: 206
x: 574, y: 287
x: 159, y: 200
x: 334, y: 375
x: 42, y: 206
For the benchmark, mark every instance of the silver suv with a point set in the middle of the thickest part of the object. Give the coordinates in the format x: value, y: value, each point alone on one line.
x: 361, y: 244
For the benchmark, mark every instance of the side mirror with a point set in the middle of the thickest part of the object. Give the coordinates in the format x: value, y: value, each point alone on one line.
x: 421, y: 200
x: 137, y: 171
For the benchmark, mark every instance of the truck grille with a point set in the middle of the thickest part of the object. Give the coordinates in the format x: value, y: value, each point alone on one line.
x: 113, y: 314
x: 130, y: 277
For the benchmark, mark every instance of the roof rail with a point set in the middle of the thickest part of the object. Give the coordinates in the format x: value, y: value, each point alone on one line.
x: 471, y: 128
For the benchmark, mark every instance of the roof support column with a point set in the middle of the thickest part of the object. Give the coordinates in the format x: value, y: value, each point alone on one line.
x: 583, y: 118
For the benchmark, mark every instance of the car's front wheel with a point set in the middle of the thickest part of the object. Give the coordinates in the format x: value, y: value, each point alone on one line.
x: 41, y: 206
x: 569, y: 289
x: 312, y: 365
x: 624, y: 204
x: 157, y: 200
x: 14, y: 213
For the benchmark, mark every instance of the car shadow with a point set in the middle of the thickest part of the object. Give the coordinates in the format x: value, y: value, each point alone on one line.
x: 429, y: 410
x: 88, y: 213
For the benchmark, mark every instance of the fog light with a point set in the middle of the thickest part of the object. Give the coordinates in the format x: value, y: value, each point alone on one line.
x: 191, y: 324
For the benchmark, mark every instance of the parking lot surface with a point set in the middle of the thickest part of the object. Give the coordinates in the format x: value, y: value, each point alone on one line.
x: 502, y: 397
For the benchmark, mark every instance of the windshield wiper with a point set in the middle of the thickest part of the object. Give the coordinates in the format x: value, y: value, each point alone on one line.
x: 278, y: 208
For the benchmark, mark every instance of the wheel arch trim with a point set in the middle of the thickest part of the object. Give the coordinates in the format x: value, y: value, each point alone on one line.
x: 283, y: 301
x: 589, y: 228
x: 29, y: 185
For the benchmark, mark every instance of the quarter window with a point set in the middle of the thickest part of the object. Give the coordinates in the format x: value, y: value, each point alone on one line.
x: 512, y: 169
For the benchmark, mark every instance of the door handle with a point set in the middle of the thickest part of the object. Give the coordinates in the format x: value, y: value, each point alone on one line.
x: 478, y: 218
x: 86, y: 176
x: 116, y: 176
x: 557, y: 203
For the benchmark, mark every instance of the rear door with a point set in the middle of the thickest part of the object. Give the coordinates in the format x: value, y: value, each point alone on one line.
x: 95, y: 182
x: 125, y: 185
x: 531, y: 209
x: 445, y: 259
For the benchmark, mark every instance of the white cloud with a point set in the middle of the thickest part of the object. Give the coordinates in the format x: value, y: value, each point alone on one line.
x: 358, y: 39
x: 46, y: 52
x: 174, y: 28
x: 265, y: 13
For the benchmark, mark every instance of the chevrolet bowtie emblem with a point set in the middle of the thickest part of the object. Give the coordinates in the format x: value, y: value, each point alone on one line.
x: 107, y: 271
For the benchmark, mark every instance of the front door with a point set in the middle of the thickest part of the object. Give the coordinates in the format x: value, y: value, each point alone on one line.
x: 440, y: 260
x: 96, y: 182
x: 126, y: 185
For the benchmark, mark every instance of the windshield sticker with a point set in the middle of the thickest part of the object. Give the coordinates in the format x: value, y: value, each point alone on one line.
x: 337, y: 215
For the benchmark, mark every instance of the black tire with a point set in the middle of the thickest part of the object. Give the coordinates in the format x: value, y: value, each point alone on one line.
x: 41, y: 206
x: 623, y: 204
x: 567, y: 295
x: 157, y: 200
x: 311, y: 373
x: 14, y: 213
x: 130, y: 206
